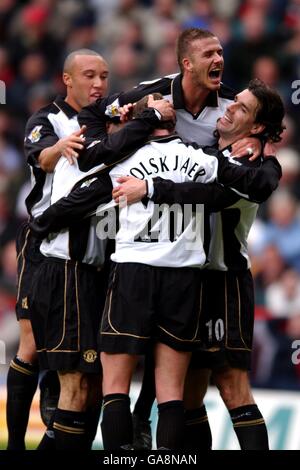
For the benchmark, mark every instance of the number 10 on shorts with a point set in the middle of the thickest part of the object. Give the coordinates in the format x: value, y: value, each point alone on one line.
x: 215, y: 328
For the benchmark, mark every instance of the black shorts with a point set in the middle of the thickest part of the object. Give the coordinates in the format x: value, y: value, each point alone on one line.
x: 29, y: 259
x: 146, y: 303
x: 226, y: 326
x: 67, y: 303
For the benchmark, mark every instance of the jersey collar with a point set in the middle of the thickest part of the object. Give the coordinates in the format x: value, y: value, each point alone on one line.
x: 227, y: 148
x: 164, y: 138
x: 65, y: 107
x: 178, y: 98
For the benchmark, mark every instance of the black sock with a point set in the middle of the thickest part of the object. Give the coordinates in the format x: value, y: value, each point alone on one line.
x: 22, y: 379
x: 147, y: 394
x: 250, y: 428
x: 48, y: 439
x: 116, y: 422
x: 92, y: 421
x: 70, y: 430
x: 197, y: 433
x: 170, y: 426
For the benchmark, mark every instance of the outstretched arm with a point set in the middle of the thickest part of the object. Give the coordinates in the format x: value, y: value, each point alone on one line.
x: 255, y: 184
x: 113, y: 148
x: 67, y: 211
x: 110, y: 149
x: 214, y: 195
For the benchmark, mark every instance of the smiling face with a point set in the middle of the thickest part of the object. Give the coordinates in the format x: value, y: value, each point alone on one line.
x: 205, y: 63
x: 239, y: 118
x: 86, y: 81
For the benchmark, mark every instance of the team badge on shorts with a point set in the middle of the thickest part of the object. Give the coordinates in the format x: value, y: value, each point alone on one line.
x: 35, y: 134
x: 90, y: 355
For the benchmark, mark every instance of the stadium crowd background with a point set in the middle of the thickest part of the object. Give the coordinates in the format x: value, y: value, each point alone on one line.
x: 261, y: 38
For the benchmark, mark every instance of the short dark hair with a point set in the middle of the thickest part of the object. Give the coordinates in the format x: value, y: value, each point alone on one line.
x: 70, y: 57
x: 142, y: 104
x: 271, y: 109
x: 185, y: 40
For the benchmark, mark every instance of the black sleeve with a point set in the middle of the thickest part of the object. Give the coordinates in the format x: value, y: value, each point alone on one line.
x: 110, y: 149
x: 86, y: 196
x: 162, y: 85
x: 214, y: 195
x: 256, y: 184
x: 252, y: 181
x: 93, y: 116
x: 39, y: 134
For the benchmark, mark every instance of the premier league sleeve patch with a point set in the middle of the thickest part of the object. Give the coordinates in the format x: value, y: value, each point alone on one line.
x: 112, y: 110
x: 35, y: 134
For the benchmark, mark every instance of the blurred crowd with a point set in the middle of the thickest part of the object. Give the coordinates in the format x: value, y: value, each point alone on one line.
x: 261, y: 38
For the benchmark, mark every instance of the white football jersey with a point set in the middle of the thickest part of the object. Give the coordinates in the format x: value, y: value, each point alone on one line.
x: 59, y: 246
x: 162, y: 235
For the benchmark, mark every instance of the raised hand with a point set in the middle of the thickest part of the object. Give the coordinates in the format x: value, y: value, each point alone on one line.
x: 248, y: 146
x: 164, y: 107
x: 130, y: 190
x: 68, y: 145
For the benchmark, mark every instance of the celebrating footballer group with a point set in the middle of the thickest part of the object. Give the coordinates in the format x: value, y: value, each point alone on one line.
x: 136, y: 245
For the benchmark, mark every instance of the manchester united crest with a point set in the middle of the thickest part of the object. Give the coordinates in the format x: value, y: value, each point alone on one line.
x: 90, y: 355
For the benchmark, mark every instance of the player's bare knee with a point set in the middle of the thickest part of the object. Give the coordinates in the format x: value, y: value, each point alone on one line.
x: 234, y: 388
x: 229, y: 397
x: 74, y: 391
x: 116, y: 384
x: 27, y: 346
x: 26, y: 333
x: 234, y: 399
x: 117, y: 372
x: 27, y: 352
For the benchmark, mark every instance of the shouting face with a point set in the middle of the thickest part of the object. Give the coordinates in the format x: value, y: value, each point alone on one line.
x: 205, y: 63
